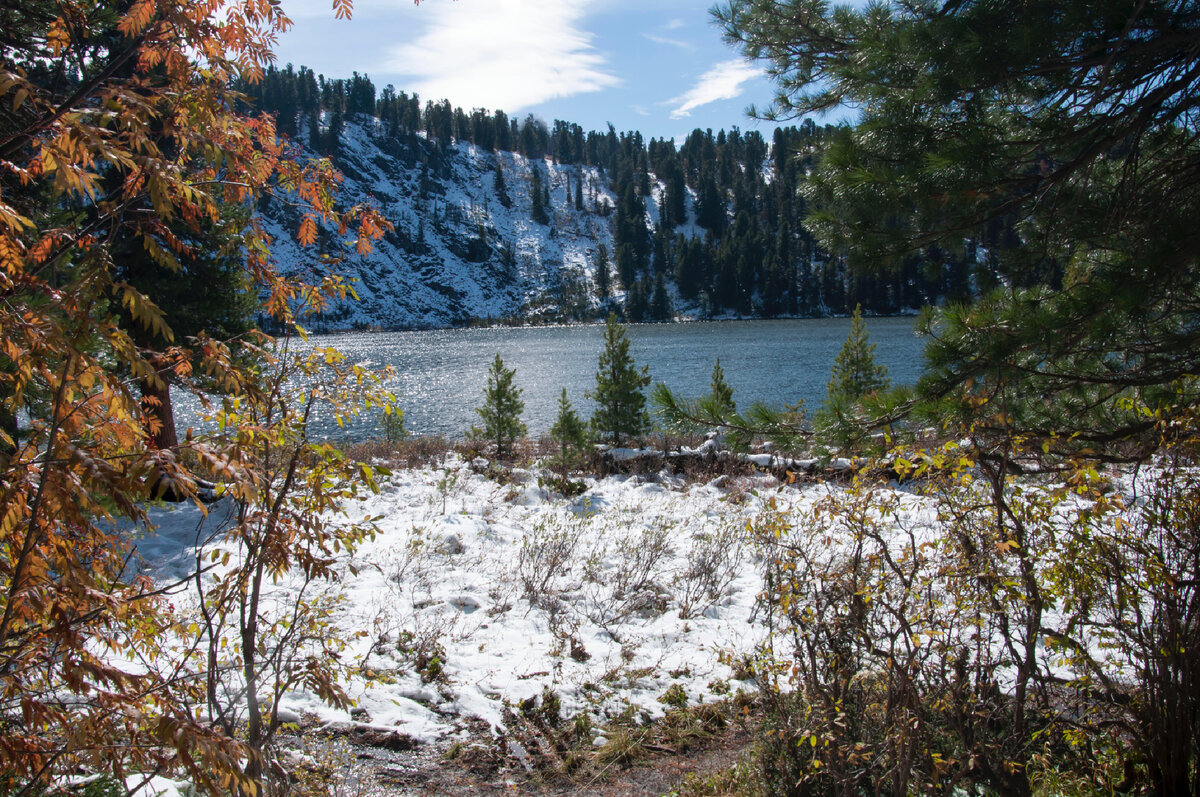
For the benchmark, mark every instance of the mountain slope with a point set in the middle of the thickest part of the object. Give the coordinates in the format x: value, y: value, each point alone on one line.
x: 457, y: 253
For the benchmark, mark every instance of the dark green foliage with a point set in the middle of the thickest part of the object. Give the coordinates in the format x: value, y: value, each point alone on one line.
x: 637, y: 302
x: 501, y: 410
x: 1056, y: 162
x: 569, y: 432
x: 855, y: 373
x: 787, y: 428
x: 720, y: 391
x: 660, y: 301
x: 620, y: 400
x: 391, y: 420
x: 603, y: 272
x: 500, y: 186
x: 537, y: 198
x: 854, y: 391
x: 204, y: 290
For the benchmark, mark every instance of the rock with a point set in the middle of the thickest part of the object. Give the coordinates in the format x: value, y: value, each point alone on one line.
x: 452, y: 545
x: 465, y: 603
x: 387, y: 740
x: 287, y: 716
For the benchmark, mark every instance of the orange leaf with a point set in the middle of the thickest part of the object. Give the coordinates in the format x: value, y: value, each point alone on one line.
x: 307, y: 235
x: 138, y: 18
x: 57, y: 37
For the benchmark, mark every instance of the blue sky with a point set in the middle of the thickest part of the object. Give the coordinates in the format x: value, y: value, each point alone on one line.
x: 658, y: 66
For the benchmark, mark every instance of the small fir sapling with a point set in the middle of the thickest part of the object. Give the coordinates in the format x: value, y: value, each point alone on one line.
x: 619, y: 394
x: 569, y: 432
x: 501, y: 411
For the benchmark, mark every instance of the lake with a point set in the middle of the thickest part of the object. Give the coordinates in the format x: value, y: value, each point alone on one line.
x: 441, y: 373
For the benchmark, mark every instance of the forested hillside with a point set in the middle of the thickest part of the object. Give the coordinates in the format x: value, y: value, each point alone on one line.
x: 504, y: 219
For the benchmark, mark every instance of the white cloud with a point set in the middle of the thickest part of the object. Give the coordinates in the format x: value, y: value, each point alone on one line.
x: 722, y: 82
x: 675, y: 24
x: 502, y: 54
x: 673, y: 42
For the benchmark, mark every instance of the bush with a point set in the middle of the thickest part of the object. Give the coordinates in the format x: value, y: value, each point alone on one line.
x: 909, y: 656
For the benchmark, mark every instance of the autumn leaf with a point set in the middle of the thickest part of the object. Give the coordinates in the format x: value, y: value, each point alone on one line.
x: 137, y: 18
x: 307, y: 234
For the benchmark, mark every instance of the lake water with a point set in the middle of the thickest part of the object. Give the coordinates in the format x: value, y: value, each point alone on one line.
x: 441, y: 373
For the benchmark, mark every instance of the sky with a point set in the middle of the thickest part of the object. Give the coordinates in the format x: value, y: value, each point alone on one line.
x: 657, y: 66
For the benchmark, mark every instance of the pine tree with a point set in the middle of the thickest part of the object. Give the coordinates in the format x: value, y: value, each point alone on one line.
x: 720, y: 393
x: 660, y: 303
x: 637, y: 303
x: 536, y: 197
x: 855, y: 373
x: 501, y: 410
x: 603, y: 272
x: 570, y: 433
x: 206, y: 291
x: 620, y: 400
x: 500, y: 186
x: 1086, y: 160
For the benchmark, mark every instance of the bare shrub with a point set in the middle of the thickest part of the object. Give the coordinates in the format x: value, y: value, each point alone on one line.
x: 407, y: 452
x: 713, y: 562
x: 625, y: 581
x: 547, y: 554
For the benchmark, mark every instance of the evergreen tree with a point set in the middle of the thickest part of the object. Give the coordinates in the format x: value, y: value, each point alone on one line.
x: 619, y: 394
x: 637, y: 304
x: 603, y: 271
x: 720, y: 393
x: 626, y: 265
x: 660, y: 303
x: 537, y: 197
x: 501, y: 410
x: 855, y: 373
x: 333, y: 137
x: 570, y: 433
x: 206, y: 291
x: 501, y: 186
x: 1080, y: 142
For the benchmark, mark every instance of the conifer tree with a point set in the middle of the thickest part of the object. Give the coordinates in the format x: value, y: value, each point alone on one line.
x: 1077, y: 147
x: 570, y: 433
x: 660, y: 303
x: 620, y: 400
x: 500, y: 186
x: 855, y: 373
x: 603, y: 272
x: 637, y: 303
x: 720, y: 392
x: 537, y: 198
x: 501, y: 410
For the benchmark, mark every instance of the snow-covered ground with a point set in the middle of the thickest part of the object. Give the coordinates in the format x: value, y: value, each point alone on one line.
x: 477, y: 595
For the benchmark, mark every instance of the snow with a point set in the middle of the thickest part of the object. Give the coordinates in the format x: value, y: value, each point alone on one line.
x: 607, y: 599
x: 421, y: 275
x: 620, y: 621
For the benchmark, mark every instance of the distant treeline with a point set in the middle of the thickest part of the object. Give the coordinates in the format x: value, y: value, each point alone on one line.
x: 747, y: 253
